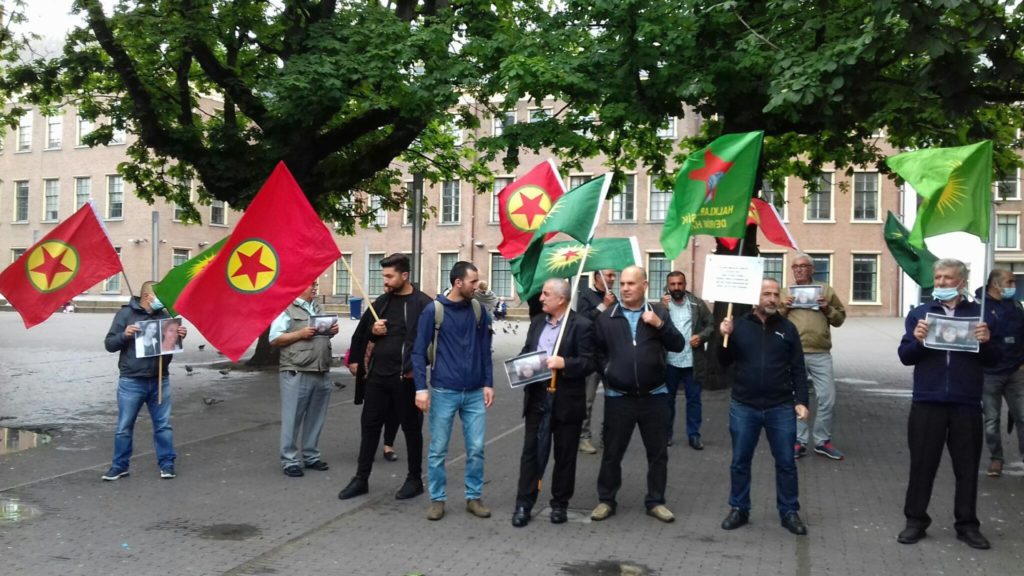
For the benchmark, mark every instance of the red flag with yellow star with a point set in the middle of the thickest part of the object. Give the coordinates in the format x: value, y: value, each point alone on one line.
x: 277, y: 250
x: 523, y: 205
x: 66, y: 262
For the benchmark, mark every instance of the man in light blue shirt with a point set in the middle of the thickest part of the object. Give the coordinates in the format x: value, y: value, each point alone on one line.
x: 305, y: 382
x: 693, y: 319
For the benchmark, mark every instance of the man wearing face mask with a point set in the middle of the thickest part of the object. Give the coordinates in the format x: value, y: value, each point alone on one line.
x: 137, y: 385
x: 946, y: 409
x: 1005, y: 317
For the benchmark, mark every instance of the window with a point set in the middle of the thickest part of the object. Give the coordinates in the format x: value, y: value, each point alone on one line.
x: 25, y: 132
x: 455, y: 132
x: 84, y: 129
x: 504, y: 121
x: 83, y: 191
x: 865, y: 277
x: 113, y: 284
x: 624, y: 203
x: 499, y: 185
x: 822, y: 267
x: 54, y: 132
x: 374, y: 280
x: 1007, y: 231
x: 218, y: 214
x: 450, y: 202
x: 21, y: 201
x: 539, y: 114
x: 179, y: 211
x: 820, y: 205
x: 118, y: 136
x: 501, y: 276
x: 407, y: 212
x: 51, y: 200
x: 658, y: 268
x: 658, y: 205
x: 179, y: 256
x: 774, y: 267
x: 381, y: 218
x: 769, y: 192
x: 668, y: 129
x: 16, y: 253
x: 1008, y: 189
x: 115, y: 197
x: 342, y: 280
x: 580, y: 180
x: 445, y: 264
x: 865, y: 196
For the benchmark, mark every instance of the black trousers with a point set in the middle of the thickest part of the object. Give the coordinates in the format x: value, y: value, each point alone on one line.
x: 621, y: 415
x: 564, y: 440
x: 392, y: 397
x: 958, y: 428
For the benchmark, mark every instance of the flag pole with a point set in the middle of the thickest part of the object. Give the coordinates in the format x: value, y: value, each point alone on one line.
x: 728, y: 310
x: 355, y: 279
x: 128, y: 284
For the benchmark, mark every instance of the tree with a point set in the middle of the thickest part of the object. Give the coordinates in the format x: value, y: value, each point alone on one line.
x: 347, y: 93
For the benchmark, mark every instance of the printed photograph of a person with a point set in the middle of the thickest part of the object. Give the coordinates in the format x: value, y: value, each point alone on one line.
x: 170, y: 339
x: 323, y: 324
x: 805, y: 296
x: 949, y: 333
x: 147, y: 339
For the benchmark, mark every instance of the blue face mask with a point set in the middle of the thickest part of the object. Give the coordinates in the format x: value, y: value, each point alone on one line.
x: 156, y: 304
x: 1009, y: 292
x: 944, y: 294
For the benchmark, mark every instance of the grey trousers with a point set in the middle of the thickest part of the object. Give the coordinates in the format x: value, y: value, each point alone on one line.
x: 592, y: 381
x: 304, y: 399
x: 819, y: 367
x: 997, y: 387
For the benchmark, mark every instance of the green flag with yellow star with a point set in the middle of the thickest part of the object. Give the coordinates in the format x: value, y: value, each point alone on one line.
x: 562, y: 260
x: 168, y: 289
x: 916, y: 262
x: 712, y: 192
x: 955, y: 185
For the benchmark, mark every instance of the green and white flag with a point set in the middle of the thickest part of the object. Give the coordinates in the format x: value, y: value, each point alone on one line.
x: 562, y: 260
x: 168, y: 289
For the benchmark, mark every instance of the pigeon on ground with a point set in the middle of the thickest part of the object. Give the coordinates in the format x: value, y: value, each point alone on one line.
x: 189, y: 369
x: 340, y: 385
x: 211, y: 401
x: 201, y: 346
x: 225, y: 371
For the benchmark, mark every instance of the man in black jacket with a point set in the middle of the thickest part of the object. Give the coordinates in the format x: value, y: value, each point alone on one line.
x: 632, y: 337
x: 573, y: 361
x: 137, y: 384
x: 769, y: 391
x: 389, y: 390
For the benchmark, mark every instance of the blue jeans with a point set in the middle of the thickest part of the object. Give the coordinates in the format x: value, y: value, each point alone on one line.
x: 444, y: 405
x: 779, y: 424
x: 132, y: 393
x: 674, y: 376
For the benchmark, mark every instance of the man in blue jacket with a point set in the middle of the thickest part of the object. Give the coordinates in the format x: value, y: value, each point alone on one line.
x: 137, y: 385
x: 632, y: 338
x: 1004, y: 315
x: 460, y: 383
x: 769, y: 391
x: 946, y: 408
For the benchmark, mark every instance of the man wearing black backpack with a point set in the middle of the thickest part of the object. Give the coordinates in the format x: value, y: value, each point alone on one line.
x: 389, y: 390
x: 457, y: 333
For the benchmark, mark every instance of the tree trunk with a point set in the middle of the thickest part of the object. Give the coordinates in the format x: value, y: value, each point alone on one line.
x: 265, y: 355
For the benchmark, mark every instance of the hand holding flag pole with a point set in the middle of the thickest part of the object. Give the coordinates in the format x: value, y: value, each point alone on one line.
x: 359, y: 286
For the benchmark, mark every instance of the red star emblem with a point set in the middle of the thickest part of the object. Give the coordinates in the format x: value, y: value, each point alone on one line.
x: 51, y: 266
x: 251, y: 266
x: 531, y: 208
x: 569, y: 255
x: 713, y: 171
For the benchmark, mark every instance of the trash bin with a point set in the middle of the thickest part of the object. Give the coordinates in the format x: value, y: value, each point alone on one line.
x: 355, y: 308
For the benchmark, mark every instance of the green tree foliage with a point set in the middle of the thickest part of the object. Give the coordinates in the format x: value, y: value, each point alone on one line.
x: 349, y: 93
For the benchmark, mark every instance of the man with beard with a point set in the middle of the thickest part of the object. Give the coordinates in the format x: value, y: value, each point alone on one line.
x: 592, y: 301
x: 769, y: 391
x: 390, y: 392
x: 694, y: 321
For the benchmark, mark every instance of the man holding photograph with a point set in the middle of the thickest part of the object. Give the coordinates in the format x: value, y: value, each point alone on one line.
x: 573, y: 361
x: 815, y: 327
x: 946, y: 409
x: 305, y: 382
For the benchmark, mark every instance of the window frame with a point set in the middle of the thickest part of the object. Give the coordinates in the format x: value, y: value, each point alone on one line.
x: 669, y: 133
x: 374, y: 279
x: 112, y: 284
x: 1016, y: 216
x: 651, y: 191
x: 655, y: 288
x: 83, y: 127
x: 782, y: 258
x: 1016, y: 188
x: 494, y: 218
x: 499, y: 124
x: 876, y: 284
x: 23, y: 133
x: 109, y: 205
x: 815, y: 258
x: 51, y: 121
x: 224, y: 212
x: 443, y: 280
x: 495, y: 287
x: 175, y: 255
x: 46, y: 200
x: 78, y: 191
x: 20, y: 211
x: 877, y: 195
x: 455, y: 200
x: 831, y: 201
x: 618, y: 199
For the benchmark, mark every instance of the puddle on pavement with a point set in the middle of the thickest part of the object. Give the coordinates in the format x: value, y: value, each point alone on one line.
x: 228, y: 532
x: 18, y: 439
x: 606, y: 568
x: 14, y: 510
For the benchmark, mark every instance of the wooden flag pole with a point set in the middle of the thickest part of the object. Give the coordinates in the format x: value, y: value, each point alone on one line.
x: 160, y: 379
x: 728, y: 310
x: 355, y: 279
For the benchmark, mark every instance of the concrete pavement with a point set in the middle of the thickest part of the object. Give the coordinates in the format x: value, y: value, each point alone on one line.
x: 231, y: 511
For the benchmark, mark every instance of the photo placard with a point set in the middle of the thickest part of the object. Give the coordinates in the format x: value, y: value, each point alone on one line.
x: 951, y: 333
x: 527, y: 369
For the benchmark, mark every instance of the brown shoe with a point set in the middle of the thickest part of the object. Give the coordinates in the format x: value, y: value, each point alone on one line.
x: 995, y: 469
x: 477, y: 508
x: 436, y: 510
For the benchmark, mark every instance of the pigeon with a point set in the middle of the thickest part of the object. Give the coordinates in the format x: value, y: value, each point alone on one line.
x: 202, y: 346
x: 189, y: 369
x: 211, y: 401
x: 340, y: 385
x: 225, y: 371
